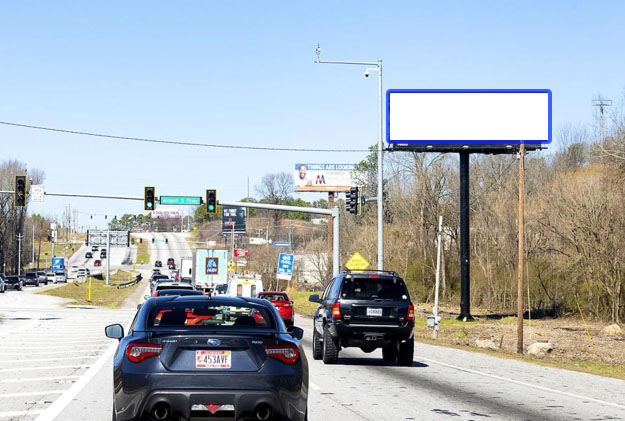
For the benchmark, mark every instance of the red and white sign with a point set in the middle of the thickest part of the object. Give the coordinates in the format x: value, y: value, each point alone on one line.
x: 241, y: 253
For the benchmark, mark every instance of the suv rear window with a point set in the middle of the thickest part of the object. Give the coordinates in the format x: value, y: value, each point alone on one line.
x: 164, y: 287
x: 366, y: 288
x: 207, y: 314
x: 30, y: 275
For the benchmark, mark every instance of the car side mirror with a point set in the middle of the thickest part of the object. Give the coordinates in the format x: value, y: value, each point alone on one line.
x: 115, y: 331
x: 314, y: 298
x: 296, y: 332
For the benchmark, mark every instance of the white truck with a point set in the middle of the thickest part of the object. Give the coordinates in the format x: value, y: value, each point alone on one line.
x: 186, y: 269
x: 209, y: 269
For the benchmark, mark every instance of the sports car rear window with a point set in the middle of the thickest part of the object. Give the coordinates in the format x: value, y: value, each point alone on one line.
x: 366, y: 288
x: 197, y: 315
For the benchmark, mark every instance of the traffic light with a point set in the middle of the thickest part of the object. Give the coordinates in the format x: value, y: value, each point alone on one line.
x: 352, y: 200
x: 149, y: 198
x: 19, y: 197
x: 211, y: 201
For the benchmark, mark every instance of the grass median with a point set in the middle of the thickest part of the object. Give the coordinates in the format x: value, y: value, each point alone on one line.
x: 101, y: 294
x: 143, y: 255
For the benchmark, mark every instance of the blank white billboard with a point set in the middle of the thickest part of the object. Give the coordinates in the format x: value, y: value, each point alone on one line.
x: 468, y: 116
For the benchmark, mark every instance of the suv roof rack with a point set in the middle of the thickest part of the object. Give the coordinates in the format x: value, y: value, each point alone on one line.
x: 389, y: 272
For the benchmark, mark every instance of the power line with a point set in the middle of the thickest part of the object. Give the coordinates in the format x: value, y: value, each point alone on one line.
x: 175, y: 142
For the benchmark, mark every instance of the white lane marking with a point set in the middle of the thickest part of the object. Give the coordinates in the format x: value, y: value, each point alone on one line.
x: 13, y: 414
x: 11, y: 348
x: 50, y: 367
x: 17, y: 395
x: 30, y: 360
x: 3, y: 354
x: 314, y: 386
x: 39, y: 379
x: 59, y: 405
x: 534, y: 386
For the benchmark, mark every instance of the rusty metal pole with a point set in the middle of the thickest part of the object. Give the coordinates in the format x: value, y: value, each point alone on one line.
x: 520, y: 306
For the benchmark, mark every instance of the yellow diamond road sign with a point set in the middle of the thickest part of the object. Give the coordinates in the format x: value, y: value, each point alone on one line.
x: 357, y: 262
x: 231, y: 266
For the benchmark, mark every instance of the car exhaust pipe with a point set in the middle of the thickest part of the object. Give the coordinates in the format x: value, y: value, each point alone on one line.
x: 263, y: 412
x: 160, y: 411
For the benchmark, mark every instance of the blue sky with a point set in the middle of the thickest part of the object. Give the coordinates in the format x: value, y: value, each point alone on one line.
x: 242, y: 73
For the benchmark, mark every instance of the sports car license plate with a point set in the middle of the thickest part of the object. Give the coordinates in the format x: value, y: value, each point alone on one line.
x: 374, y: 311
x: 213, y: 359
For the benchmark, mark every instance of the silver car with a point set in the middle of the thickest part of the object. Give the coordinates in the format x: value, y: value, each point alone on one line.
x: 60, y: 277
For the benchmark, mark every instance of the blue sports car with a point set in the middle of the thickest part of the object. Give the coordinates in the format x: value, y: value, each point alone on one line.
x: 189, y: 357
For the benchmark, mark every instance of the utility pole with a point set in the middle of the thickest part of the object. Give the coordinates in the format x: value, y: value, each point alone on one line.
x: 32, y: 262
x: 438, y: 274
x: 520, y: 306
x: 108, y: 255
x: 330, y: 225
x: 601, y: 103
x: 20, y: 237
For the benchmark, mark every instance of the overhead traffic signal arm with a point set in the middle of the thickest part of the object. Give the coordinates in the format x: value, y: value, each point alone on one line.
x: 19, y: 195
x: 149, y: 198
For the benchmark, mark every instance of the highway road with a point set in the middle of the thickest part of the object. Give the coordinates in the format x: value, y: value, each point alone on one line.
x: 43, y: 373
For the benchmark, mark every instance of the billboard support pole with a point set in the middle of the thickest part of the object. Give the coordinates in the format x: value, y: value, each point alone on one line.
x: 465, y: 248
x: 335, y: 242
x: 330, y: 221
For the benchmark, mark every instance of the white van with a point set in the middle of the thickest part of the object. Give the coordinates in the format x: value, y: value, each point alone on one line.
x: 244, y: 287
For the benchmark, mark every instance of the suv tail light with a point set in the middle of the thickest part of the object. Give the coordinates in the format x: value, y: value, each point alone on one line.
x: 286, y: 353
x: 155, y: 294
x: 410, y: 313
x: 336, y: 310
x: 137, y: 352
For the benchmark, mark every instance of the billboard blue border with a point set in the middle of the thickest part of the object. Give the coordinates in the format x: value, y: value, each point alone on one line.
x: 467, y: 142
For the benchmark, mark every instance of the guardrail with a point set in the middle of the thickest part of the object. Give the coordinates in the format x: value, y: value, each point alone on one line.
x: 130, y: 283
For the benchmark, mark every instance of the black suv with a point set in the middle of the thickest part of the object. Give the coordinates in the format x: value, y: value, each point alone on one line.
x: 368, y: 310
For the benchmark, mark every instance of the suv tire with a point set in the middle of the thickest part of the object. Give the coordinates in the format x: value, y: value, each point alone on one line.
x: 389, y: 353
x: 317, y: 350
x: 330, y: 350
x: 406, y: 352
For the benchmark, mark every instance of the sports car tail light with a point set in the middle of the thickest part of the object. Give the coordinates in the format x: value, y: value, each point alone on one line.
x: 336, y: 310
x: 410, y: 313
x: 286, y: 353
x: 137, y: 352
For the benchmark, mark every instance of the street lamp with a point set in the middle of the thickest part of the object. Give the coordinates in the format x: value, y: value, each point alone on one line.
x: 377, y: 68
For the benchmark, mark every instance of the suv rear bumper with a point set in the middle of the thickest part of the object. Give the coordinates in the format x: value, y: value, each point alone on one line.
x: 368, y: 335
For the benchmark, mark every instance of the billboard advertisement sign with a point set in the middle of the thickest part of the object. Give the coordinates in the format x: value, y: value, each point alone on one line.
x: 165, y: 213
x: 323, y: 177
x: 233, y: 216
x: 285, y: 266
x: 468, y: 116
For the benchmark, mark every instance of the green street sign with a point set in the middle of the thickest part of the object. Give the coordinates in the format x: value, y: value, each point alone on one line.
x: 180, y: 200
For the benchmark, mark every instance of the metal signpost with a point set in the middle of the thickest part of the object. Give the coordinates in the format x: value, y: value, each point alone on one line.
x: 465, y: 121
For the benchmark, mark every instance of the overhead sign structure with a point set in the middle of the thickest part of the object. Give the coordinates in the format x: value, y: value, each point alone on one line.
x: 357, y: 262
x: 117, y: 238
x: 181, y: 200
x: 37, y: 192
x: 285, y: 266
x: 468, y: 116
x: 323, y: 177
x: 233, y: 217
